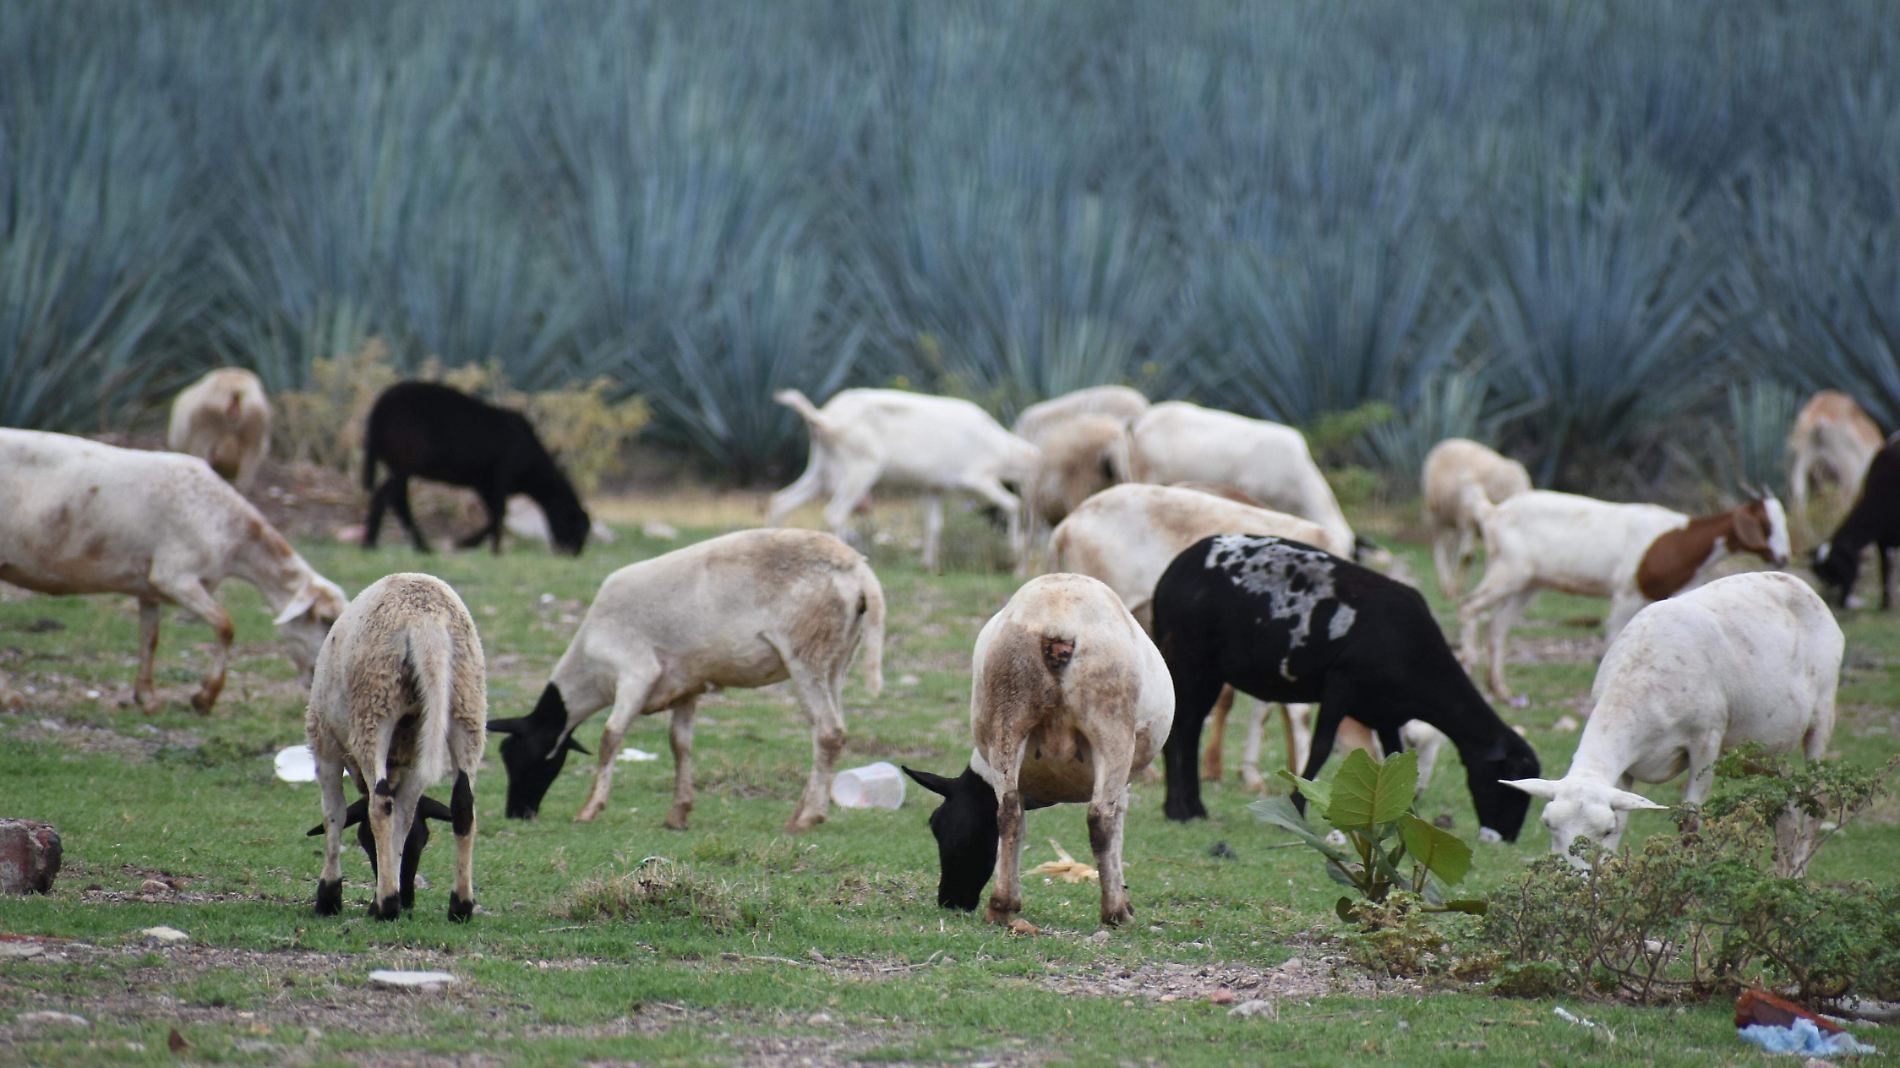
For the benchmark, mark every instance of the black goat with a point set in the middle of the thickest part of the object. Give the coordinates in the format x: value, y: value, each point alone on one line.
x: 1285, y: 621
x: 427, y: 808
x: 1874, y: 520
x: 426, y: 430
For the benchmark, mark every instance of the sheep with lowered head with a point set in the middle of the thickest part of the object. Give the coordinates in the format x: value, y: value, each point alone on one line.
x: 400, y: 699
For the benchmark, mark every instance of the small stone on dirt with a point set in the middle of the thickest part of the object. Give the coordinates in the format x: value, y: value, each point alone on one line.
x: 20, y: 950
x: 907, y: 681
x: 41, y: 1019
x: 29, y: 857
x: 170, y: 936
x: 1443, y: 821
x: 1223, y: 996
x: 818, y: 1019
x: 1255, y: 1007
x: 1023, y: 927
x: 1100, y: 937
x: 398, y: 980
x: 155, y: 886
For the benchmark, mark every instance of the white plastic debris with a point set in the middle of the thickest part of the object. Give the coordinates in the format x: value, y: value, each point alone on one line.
x: 31, y: 1019
x: 295, y: 764
x: 399, y: 980
x: 168, y: 935
x: 878, y: 785
x: 659, y: 531
x: 630, y: 755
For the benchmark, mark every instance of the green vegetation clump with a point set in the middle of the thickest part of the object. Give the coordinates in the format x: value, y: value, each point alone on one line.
x: 656, y: 891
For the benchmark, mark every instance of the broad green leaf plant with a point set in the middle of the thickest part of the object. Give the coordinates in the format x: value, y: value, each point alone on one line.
x: 1370, y: 803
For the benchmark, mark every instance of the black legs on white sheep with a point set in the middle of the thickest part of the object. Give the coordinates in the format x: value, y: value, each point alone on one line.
x: 425, y: 430
x: 1283, y: 621
x: 400, y: 700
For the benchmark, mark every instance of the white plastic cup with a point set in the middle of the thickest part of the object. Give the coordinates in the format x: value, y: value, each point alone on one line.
x: 878, y: 785
x: 295, y: 764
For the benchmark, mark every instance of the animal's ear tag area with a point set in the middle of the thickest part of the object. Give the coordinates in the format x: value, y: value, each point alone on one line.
x: 355, y: 814
x: 936, y: 784
x: 1625, y: 801
x: 1544, y: 788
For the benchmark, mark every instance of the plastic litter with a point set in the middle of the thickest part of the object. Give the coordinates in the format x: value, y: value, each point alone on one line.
x: 1803, y: 1037
x: 878, y: 785
x: 295, y: 764
x: 632, y: 755
x: 1566, y: 1014
x: 411, y: 980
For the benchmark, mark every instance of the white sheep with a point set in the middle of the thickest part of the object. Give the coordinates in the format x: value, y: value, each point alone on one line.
x: 864, y: 438
x: 1832, y: 440
x: 77, y: 516
x: 1749, y: 658
x: 224, y: 420
x: 1081, y: 456
x: 1068, y: 699
x: 743, y: 610
x: 1120, y: 403
x: 1449, y: 465
x: 1181, y: 442
x: 1630, y: 553
x: 399, y: 698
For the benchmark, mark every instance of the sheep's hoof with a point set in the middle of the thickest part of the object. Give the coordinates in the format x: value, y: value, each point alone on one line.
x: 1115, y: 917
x: 676, y: 818
x: 202, y: 701
x: 390, y: 908
x: 1000, y: 913
x: 801, y: 824
x: 460, y: 908
x: 148, y: 702
x: 329, y: 897
x: 588, y: 813
x: 1251, y: 782
x: 1211, y: 769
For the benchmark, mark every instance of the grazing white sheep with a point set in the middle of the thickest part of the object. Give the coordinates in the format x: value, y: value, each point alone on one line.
x: 399, y: 698
x: 1119, y: 403
x: 224, y: 420
x: 1832, y: 440
x: 864, y: 438
x: 1081, y: 456
x: 1749, y: 658
x: 1181, y: 442
x: 1449, y: 465
x: 1068, y: 699
x: 81, y: 517
x: 739, y: 611
x: 1630, y: 553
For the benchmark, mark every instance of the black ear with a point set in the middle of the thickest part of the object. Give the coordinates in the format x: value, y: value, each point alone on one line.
x: 936, y: 784
x: 428, y: 808
x: 355, y: 814
x: 505, y: 726
x: 576, y: 746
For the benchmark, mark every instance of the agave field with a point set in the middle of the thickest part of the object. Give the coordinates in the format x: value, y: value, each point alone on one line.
x: 1581, y: 228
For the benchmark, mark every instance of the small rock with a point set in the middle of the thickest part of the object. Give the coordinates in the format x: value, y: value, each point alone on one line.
x: 93, y: 694
x: 1023, y: 927
x: 1167, y: 998
x: 1520, y: 701
x: 818, y: 1019
x: 1443, y: 821
x: 155, y: 886
x: 908, y: 681
x: 659, y: 531
x: 170, y: 936
x: 1100, y: 937
x: 396, y: 980
x: 817, y: 957
x: 1255, y: 1007
x: 1222, y: 851
x: 1816, y: 1062
x: 63, y: 1019
x: 29, y: 857
x: 20, y: 950
x: 1223, y: 996
x: 1566, y: 723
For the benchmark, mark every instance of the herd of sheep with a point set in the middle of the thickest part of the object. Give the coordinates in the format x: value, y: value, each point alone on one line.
x: 1191, y: 554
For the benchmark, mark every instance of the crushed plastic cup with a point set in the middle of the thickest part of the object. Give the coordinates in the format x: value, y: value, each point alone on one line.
x: 295, y: 764
x: 630, y: 755
x: 878, y: 785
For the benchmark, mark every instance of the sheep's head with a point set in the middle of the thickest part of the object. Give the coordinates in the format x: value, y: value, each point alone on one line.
x: 1595, y: 812
x: 533, y: 750
x: 307, y: 619
x: 966, y: 832
x: 1837, y: 570
x: 1500, y: 809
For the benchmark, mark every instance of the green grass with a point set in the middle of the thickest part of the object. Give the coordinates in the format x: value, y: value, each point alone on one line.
x: 829, y: 944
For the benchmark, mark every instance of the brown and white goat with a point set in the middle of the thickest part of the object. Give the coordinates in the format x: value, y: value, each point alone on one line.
x: 82, y: 517
x: 1449, y: 465
x: 1832, y: 440
x: 224, y: 420
x: 742, y: 610
x: 1068, y: 699
x: 399, y: 699
x: 1633, y: 554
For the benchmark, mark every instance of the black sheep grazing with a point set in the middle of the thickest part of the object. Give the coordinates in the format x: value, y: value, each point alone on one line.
x: 1874, y: 520
x: 427, y: 808
x: 426, y: 430
x: 1285, y: 621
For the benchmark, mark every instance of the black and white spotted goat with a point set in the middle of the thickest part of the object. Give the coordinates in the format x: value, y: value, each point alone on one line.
x: 1284, y: 621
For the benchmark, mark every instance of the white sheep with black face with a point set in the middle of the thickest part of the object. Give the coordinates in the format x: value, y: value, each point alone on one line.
x: 1749, y: 658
